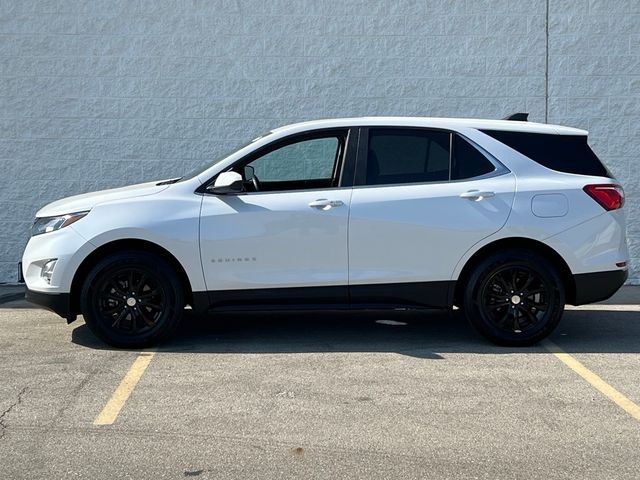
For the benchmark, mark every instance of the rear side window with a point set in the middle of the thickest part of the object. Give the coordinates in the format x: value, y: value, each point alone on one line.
x: 563, y: 153
x: 407, y: 156
x: 467, y: 161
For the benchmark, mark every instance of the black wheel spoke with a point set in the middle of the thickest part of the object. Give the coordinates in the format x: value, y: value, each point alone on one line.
x: 531, y: 317
x: 514, y: 279
x: 495, y: 297
x: 113, y: 285
x: 516, y: 321
x: 120, y: 317
x: 497, y: 306
x: 111, y: 311
x: 543, y: 306
x: 503, y: 319
x: 134, y: 319
x: 152, y: 306
x: 149, y: 294
x: 527, y: 283
x: 535, y: 292
x: 502, y: 283
x: 146, y: 319
x: 141, y: 284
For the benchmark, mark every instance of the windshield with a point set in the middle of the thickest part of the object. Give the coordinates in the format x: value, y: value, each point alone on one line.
x: 202, y: 168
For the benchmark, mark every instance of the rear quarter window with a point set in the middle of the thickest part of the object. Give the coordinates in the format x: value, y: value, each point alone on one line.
x: 563, y: 153
x: 467, y: 161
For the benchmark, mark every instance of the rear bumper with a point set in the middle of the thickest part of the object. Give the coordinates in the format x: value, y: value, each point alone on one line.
x: 598, y: 286
x: 59, y: 303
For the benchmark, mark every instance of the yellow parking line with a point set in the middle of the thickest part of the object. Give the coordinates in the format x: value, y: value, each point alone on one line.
x: 603, y: 387
x: 111, y: 410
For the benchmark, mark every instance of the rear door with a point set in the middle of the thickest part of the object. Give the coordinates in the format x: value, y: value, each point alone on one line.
x: 422, y: 198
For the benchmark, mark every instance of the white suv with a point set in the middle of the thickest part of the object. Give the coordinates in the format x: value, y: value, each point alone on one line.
x: 508, y: 220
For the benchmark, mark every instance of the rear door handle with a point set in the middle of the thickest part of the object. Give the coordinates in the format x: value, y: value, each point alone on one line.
x: 477, y: 195
x: 325, y: 204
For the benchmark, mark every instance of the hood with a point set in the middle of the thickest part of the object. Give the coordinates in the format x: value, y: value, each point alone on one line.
x: 86, y: 201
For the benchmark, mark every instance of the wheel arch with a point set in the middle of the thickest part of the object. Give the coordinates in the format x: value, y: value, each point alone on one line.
x: 121, y: 245
x: 517, y: 242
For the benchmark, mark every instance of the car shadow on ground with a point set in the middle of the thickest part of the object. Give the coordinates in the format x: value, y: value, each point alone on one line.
x: 421, y: 334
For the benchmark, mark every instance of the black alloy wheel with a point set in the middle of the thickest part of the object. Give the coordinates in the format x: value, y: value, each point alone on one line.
x: 132, y: 299
x: 514, y: 298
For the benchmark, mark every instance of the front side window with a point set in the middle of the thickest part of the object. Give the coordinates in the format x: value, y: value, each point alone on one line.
x: 305, y: 164
x: 407, y: 156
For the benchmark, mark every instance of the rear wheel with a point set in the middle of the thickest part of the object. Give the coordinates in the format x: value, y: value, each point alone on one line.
x: 514, y: 298
x: 132, y: 299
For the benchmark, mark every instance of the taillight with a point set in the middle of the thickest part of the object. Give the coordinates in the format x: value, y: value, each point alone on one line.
x: 608, y: 195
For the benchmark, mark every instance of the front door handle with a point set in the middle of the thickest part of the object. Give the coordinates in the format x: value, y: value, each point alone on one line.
x: 325, y: 204
x: 477, y: 195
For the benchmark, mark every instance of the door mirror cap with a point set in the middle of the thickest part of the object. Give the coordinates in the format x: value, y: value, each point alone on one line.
x: 228, y: 182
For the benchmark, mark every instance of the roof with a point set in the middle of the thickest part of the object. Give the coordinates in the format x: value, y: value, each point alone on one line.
x: 433, y: 122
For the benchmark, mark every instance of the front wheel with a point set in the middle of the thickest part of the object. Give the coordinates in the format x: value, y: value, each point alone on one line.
x: 132, y: 299
x: 514, y: 298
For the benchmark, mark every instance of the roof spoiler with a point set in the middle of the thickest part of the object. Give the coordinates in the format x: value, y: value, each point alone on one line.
x: 518, y: 117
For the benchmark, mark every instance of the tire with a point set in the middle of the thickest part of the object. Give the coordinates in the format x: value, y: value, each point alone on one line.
x: 515, y: 310
x: 136, y: 317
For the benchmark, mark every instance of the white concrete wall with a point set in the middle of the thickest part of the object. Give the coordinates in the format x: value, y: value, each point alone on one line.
x: 594, y: 83
x: 95, y: 94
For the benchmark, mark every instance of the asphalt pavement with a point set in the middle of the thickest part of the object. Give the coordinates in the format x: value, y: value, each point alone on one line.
x: 322, y: 395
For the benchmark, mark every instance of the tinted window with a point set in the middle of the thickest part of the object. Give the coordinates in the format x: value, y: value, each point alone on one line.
x: 467, y: 161
x: 564, y: 153
x: 310, y: 159
x: 311, y: 163
x: 407, y: 156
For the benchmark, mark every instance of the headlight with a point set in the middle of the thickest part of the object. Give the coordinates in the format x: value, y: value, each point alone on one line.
x: 51, y: 224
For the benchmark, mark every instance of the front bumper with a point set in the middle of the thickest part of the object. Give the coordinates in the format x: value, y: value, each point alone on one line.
x: 65, y: 246
x: 598, y: 286
x: 59, y: 303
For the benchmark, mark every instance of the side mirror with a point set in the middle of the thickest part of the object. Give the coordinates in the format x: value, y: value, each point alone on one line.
x: 228, y: 182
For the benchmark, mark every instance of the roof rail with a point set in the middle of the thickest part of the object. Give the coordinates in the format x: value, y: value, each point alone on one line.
x: 518, y: 117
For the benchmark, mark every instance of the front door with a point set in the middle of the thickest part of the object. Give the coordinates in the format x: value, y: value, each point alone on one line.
x: 283, y: 240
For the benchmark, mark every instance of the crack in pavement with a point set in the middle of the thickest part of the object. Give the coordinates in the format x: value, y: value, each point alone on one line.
x: 3, y: 425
